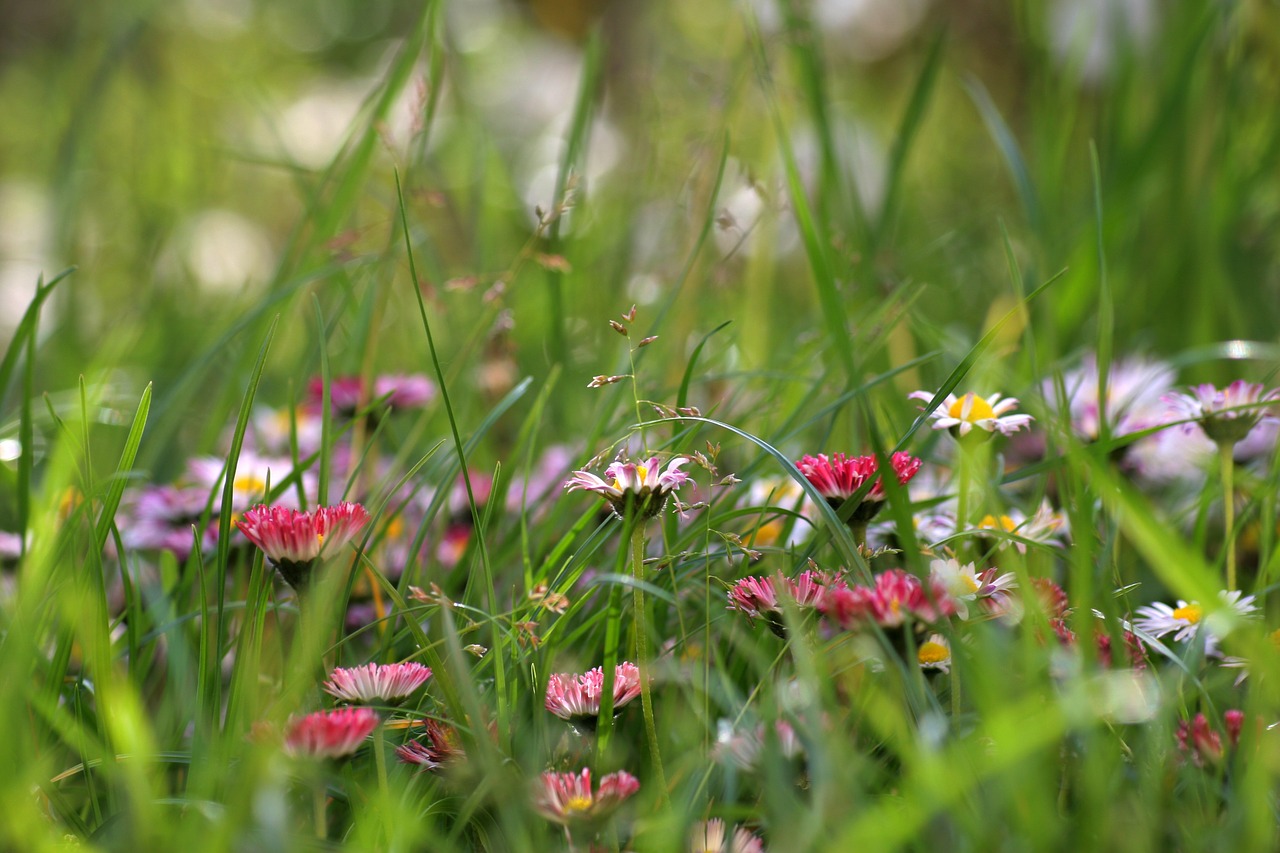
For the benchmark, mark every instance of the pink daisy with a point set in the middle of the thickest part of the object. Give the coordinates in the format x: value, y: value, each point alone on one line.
x: 896, y: 597
x: 567, y: 797
x: 364, y: 684
x: 293, y: 540
x: 330, y: 734
x: 757, y: 597
x: 840, y: 477
x: 1227, y: 416
x: 577, y: 697
x: 644, y: 486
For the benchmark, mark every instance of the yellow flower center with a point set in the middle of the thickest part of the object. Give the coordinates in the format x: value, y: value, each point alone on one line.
x: 249, y: 483
x: 932, y: 652
x: 1191, y: 613
x: 578, y: 803
x: 969, y: 583
x: 642, y: 474
x: 320, y: 538
x: 395, y: 528
x: 990, y: 522
x: 979, y: 409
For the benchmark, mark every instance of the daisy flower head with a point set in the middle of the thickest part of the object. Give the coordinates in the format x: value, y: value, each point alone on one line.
x: 838, y: 477
x: 371, y: 682
x: 642, y: 487
x: 971, y: 414
x: 576, y: 698
x: 965, y: 584
x: 757, y: 597
x: 567, y: 798
x: 1186, y: 620
x: 934, y: 654
x: 896, y: 597
x: 1047, y: 526
x: 1226, y: 415
x: 1133, y: 396
x: 712, y: 837
x: 294, y: 540
x: 330, y: 734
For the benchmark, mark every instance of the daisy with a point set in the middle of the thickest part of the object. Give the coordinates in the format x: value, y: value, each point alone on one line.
x: 576, y: 698
x: 1227, y: 416
x: 294, y: 540
x: 935, y: 653
x: 896, y: 597
x: 1048, y: 526
x: 1134, y: 390
x: 757, y: 597
x: 710, y: 837
x: 567, y: 797
x: 964, y: 414
x: 742, y: 747
x: 627, y: 484
x: 964, y: 584
x: 1186, y: 619
x: 840, y: 477
x: 368, y: 683
x: 330, y: 734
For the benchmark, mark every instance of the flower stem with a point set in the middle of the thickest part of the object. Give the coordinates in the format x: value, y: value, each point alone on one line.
x: 962, y: 490
x: 318, y: 801
x: 1226, y: 452
x: 380, y: 760
x: 642, y: 657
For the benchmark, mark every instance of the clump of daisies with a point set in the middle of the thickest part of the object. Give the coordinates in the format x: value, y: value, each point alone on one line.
x: 577, y: 698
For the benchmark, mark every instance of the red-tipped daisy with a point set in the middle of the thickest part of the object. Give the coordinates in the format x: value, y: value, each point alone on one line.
x: 642, y: 486
x: 568, y: 798
x: 896, y: 597
x: 330, y: 734
x: 576, y: 698
x: 757, y: 597
x: 962, y: 415
x: 839, y: 477
x: 371, y: 682
x: 1227, y: 415
x: 294, y: 540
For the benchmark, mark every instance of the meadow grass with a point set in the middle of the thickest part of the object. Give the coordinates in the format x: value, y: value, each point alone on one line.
x: 747, y: 245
